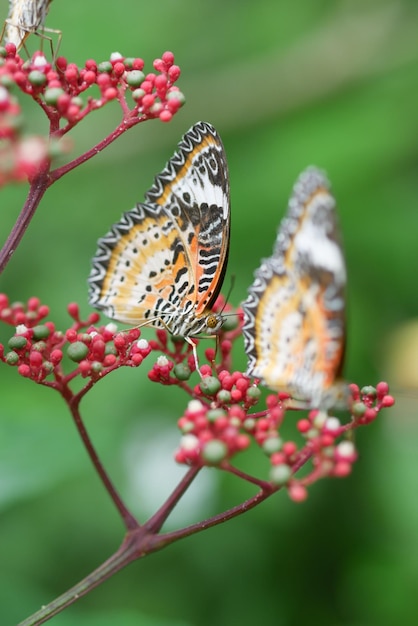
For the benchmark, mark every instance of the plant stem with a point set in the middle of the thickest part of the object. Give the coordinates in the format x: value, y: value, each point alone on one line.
x: 126, y: 123
x: 125, y: 555
x: 263, y: 484
x: 139, y: 543
x: 128, y: 519
x: 159, y: 541
x: 157, y: 520
x: 36, y: 191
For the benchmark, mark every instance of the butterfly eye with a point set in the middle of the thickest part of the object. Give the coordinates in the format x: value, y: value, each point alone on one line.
x: 213, y: 322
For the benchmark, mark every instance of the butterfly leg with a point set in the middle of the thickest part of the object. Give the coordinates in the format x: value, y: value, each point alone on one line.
x: 192, y: 343
x: 54, y: 31
x: 188, y: 339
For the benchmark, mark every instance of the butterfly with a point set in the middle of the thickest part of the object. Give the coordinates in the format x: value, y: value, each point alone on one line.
x: 164, y: 262
x: 28, y: 17
x: 294, y: 315
x: 25, y: 17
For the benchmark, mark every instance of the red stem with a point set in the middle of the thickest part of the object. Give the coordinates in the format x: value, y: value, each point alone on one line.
x: 143, y: 540
x: 36, y: 191
x: 155, y: 522
x: 159, y: 541
x: 125, y: 555
x: 137, y: 544
x: 263, y: 484
x: 127, y: 122
x: 128, y: 519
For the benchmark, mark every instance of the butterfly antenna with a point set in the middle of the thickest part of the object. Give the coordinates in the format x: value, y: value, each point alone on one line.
x: 232, y: 285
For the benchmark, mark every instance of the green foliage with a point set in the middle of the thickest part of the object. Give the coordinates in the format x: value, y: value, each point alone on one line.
x: 286, y: 84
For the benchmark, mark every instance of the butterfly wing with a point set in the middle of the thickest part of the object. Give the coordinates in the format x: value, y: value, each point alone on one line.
x: 294, y: 329
x: 194, y: 188
x: 168, y: 256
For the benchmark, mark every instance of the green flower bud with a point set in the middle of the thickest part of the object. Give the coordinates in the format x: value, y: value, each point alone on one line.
x: 215, y: 451
x: 137, y: 94
x: 41, y: 332
x: 254, y: 393
x: 210, y: 385
x: 51, y: 95
x: 368, y: 390
x: 96, y: 367
x: 224, y: 396
x: 105, y: 66
x: 182, y: 371
x: 272, y: 444
x: 37, y: 78
x: 214, y: 414
x: 12, y: 358
x: 77, y: 351
x: 177, y: 95
x: 280, y: 474
x: 17, y: 343
x: 135, y: 77
x: 358, y: 409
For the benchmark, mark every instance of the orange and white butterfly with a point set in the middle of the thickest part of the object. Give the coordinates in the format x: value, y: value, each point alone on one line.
x: 294, y: 316
x: 164, y: 262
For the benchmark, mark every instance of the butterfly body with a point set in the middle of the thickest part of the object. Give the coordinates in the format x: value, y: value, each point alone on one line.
x: 294, y: 316
x: 25, y: 17
x: 164, y: 262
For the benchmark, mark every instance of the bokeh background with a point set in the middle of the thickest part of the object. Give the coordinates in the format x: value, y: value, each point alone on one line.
x: 287, y: 84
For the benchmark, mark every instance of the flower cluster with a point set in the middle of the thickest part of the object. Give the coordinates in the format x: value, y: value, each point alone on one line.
x: 219, y: 421
x: 216, y: 430
x: 212, y: 433
x: 59, y: 88
x: 37, y: 348
x: 68, y: 93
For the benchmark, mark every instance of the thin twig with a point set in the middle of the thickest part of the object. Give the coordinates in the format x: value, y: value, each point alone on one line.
x: 129, y: 520
x: 155, y: 522
x: 159, y: 541
x: 125, y: 555
x: 36, y: 191
x: 127, y: 122
x: 263, y: 484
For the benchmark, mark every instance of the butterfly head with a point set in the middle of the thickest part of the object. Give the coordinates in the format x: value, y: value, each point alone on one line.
x: 214, y: 323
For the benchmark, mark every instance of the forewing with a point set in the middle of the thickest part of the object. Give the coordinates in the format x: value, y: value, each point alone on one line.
x: 194, y: 191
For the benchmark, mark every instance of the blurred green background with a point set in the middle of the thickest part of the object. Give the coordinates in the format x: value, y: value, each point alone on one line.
x: 286, y: 84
